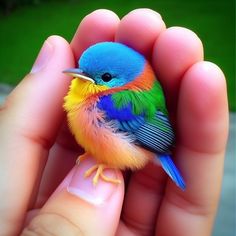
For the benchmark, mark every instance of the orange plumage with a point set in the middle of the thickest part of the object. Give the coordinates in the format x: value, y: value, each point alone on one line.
x: 100, y: 138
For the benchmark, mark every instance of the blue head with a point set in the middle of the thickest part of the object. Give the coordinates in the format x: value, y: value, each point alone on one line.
x: 111, y: 64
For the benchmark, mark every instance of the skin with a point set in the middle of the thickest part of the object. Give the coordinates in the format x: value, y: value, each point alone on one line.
x: 151, y: 204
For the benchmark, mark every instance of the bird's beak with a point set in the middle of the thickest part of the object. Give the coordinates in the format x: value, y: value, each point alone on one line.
x: 77, y: 73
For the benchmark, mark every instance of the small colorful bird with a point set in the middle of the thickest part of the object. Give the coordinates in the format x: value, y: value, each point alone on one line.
x: 116, y: 111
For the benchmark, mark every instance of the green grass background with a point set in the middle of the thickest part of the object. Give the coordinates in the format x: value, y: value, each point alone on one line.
x: 23, y: 31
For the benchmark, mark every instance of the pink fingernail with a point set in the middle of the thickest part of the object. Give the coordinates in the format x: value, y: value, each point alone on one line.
x: 83, y: 187
x: 43, y: 57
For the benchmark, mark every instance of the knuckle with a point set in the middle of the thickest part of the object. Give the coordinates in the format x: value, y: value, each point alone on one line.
x: 51, y: 224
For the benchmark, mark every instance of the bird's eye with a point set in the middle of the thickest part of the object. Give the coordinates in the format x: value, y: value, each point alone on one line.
x: 106, y: 77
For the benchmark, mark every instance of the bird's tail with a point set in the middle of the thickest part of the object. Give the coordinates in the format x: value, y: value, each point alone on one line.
x: 170, y: 168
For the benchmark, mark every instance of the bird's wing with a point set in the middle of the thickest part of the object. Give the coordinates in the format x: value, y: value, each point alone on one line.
x: 123, y: 116
x: 131, y: 108
x: 152, y: 132
x: 156, y: 133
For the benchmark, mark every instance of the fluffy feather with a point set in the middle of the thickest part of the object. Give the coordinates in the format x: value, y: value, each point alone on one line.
x: 93, y: 132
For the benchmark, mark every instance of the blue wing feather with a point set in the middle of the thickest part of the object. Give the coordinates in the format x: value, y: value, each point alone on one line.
x: 155, y: 134
x: 106, y: 104
x: 124, y: 117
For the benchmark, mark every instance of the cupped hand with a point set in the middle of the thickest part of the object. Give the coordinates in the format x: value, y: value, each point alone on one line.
x: 42, y: 192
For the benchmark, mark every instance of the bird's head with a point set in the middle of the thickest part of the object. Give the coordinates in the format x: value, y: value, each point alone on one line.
x: 109, y: 64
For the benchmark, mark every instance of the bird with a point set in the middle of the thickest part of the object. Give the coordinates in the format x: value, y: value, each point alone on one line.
x: 117, y: 112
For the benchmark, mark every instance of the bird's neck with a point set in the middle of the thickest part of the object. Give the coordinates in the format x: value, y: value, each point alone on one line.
x: 79, y: 91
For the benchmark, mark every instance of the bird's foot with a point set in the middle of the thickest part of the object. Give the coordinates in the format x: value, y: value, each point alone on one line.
x: 99, y: 168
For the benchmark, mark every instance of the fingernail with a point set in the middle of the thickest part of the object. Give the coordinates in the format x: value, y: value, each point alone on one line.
x: 43, y: 57
x: 82, y: 187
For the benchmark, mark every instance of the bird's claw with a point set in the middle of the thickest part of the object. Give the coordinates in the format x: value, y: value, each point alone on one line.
x: 81, y: 158
x: 99, y: 168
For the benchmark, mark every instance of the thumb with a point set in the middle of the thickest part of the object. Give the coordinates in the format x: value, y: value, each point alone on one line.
x: 29, y: 122
x: 77, y: 207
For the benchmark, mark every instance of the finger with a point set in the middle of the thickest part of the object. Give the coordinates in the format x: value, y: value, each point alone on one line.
x: 174, y: 52
x: 61, y: 159
x: 202, y: 135
x: 145, y: 191
x: 146, y: 186
x: 79, y: 208
x: 29, y: 122
x: 139, y: 29
x: 98, y: 26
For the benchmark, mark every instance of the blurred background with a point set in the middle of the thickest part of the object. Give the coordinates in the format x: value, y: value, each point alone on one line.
x: 25, y: 24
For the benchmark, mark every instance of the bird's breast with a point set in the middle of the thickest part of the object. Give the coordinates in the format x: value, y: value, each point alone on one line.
x: 103, y: 140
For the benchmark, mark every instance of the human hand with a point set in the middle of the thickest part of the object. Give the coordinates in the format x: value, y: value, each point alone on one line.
x: 37, y: 147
